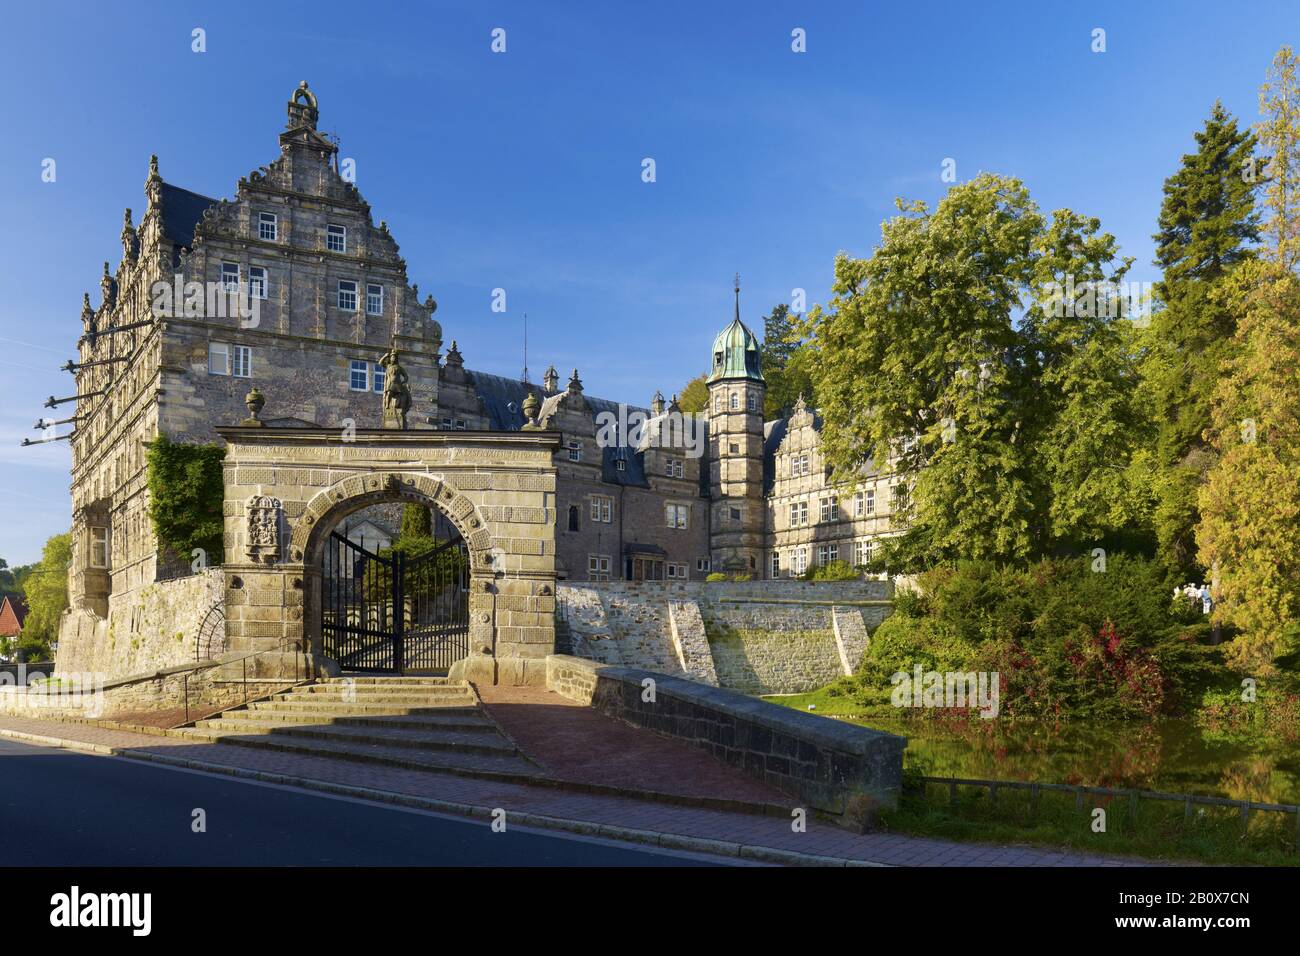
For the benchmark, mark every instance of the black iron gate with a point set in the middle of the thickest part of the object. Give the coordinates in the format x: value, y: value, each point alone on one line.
x: 398, y: 612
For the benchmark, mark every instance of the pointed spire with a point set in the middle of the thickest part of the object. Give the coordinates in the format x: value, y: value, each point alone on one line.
x: 737, y: 296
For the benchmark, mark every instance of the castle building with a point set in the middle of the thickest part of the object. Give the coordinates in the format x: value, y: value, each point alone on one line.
x: 291, y: 287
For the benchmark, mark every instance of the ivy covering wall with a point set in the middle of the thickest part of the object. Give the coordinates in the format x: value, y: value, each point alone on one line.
x: 186, y: 491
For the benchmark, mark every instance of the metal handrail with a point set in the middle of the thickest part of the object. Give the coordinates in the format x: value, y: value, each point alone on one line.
x: 242, y: 660
x: 1245, y: 807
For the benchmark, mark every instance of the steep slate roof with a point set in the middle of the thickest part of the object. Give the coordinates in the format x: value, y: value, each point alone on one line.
x: 503, y: 398
x: 181, y: 212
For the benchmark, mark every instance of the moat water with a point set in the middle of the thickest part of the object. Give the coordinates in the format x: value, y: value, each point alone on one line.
x: 1176, y: 756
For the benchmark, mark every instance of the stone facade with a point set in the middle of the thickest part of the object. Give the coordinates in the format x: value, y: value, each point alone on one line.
x: 812, y: 520
x: 291, y: 287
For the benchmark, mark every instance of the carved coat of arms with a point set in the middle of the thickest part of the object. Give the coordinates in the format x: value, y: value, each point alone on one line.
x: 264, y: 528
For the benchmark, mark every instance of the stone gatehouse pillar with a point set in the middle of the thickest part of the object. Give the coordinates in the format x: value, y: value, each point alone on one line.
x: 287, y: 488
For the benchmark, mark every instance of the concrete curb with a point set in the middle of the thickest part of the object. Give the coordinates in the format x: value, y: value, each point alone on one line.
x: 667, y: 841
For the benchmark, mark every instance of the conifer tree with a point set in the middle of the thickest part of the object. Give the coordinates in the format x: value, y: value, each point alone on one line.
x: 1208, y: 226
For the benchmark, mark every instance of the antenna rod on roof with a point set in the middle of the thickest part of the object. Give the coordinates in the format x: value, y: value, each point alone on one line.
x: 525, y: 346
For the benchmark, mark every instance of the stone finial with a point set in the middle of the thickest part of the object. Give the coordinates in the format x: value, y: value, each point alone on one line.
x: 657, y: 403
x: 800, y: 406
x: 153, y: 184
x: 531, y: 407
x: 575, y: 383
x: 87, y: 313
x: 454, y: 358
x: 302, y: 108
x: 128, y: 236
x: 430, y: 304
x: 551, y: 379
x: 107, y: 289
x: 673, y: 405
x: 255, y: 401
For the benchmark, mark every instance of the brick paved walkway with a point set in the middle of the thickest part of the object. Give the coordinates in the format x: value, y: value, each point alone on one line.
x: 733, y: 830
x: 571, y: 741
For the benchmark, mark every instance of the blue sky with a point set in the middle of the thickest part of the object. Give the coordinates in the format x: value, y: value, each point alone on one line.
x: 523, y: 170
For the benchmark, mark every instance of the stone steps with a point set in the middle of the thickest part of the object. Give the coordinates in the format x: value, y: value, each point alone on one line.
x: 444, y: 718
x: 387, y: 755
x: 396, y: 698
x: 377, y: 708
x: 486, y: 741
x: 432, y: 724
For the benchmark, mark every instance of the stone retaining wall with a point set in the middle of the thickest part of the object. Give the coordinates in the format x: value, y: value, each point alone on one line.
x: 147, y: 629
x: 839, y: 769
x: 209, y: 685
x: 761, y: 662
x: 761, y: 637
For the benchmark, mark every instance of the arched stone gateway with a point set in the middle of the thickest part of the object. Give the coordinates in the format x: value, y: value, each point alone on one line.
x: 287, y: 488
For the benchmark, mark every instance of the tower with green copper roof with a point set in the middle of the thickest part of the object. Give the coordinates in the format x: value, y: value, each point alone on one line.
x: 736, y: 393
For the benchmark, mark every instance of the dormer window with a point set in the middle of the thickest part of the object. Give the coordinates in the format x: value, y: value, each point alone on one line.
x: 267, y: 226
x: 717, y: 358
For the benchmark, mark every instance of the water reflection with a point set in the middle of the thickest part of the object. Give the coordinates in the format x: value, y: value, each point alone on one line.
x: 1170, y: 755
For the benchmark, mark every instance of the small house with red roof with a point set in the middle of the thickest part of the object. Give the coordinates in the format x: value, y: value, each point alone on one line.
x: 12, y: 612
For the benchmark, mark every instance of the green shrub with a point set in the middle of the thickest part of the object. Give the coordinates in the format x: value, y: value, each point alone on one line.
x: 1065, y: 636
x: 832, y: 571
x: 718, y: 576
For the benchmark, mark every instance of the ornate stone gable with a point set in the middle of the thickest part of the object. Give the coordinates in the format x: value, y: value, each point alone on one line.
x: 801, y: 435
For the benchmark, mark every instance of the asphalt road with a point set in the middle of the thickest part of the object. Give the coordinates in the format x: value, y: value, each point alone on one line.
x: 59, y: 808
